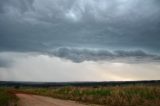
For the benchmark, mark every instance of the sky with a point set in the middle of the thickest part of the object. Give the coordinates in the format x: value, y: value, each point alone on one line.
x: 79, y: 40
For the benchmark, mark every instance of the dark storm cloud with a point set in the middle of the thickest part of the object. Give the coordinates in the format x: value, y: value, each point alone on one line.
x: 80, y: 55
x: 19, y: 5
x: 43, y: 25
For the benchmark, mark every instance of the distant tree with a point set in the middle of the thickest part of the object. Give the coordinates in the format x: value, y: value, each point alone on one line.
x: 16, y: 86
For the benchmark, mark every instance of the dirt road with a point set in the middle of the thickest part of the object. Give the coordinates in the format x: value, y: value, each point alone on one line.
x: 34, y: 100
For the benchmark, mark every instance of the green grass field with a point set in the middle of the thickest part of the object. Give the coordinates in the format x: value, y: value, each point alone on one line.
x: 6, y: 98
x: 108, y: 96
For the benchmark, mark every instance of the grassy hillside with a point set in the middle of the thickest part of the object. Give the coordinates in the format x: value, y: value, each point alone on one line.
x: 109, y: 96
x: 6, y: 98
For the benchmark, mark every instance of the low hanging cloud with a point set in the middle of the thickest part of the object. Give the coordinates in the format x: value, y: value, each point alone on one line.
x: 4, y: 62
x: 79, y: 55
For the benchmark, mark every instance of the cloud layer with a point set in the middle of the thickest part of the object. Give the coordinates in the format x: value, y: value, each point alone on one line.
x: 117, y: 30
x: 38, y: 25
x: 80, y: 55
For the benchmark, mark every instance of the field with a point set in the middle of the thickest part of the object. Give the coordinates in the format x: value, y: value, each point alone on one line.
x: 131, y: 95
x: 7, y: 98
x: 137, y: 93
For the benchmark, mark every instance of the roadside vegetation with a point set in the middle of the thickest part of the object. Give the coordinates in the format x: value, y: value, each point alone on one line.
x: 7, y: 98
x: 108, y: 96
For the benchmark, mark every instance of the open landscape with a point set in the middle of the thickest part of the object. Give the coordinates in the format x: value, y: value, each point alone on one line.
x: 79, y: 52
x: 102, y: 93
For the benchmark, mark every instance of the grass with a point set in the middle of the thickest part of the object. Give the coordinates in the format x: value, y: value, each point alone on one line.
x: 7, y: 98
x: 108, y: 96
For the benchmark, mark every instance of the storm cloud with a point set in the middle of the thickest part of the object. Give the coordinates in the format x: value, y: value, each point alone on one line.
x: 80, y: 55
x: 38, y: 26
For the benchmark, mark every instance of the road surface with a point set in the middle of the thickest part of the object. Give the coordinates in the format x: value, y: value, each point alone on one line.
x: 35, y: 100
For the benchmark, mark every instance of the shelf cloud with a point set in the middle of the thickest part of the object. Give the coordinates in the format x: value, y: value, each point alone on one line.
x: 80, y: 55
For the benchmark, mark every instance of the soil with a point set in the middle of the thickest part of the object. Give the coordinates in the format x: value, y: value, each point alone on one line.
x: 35, y: 100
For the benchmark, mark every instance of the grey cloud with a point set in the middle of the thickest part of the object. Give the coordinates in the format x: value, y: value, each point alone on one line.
x: 2, y: 4
x: 80, y: 55
x: 20, y: 5
x: 40, y: 26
